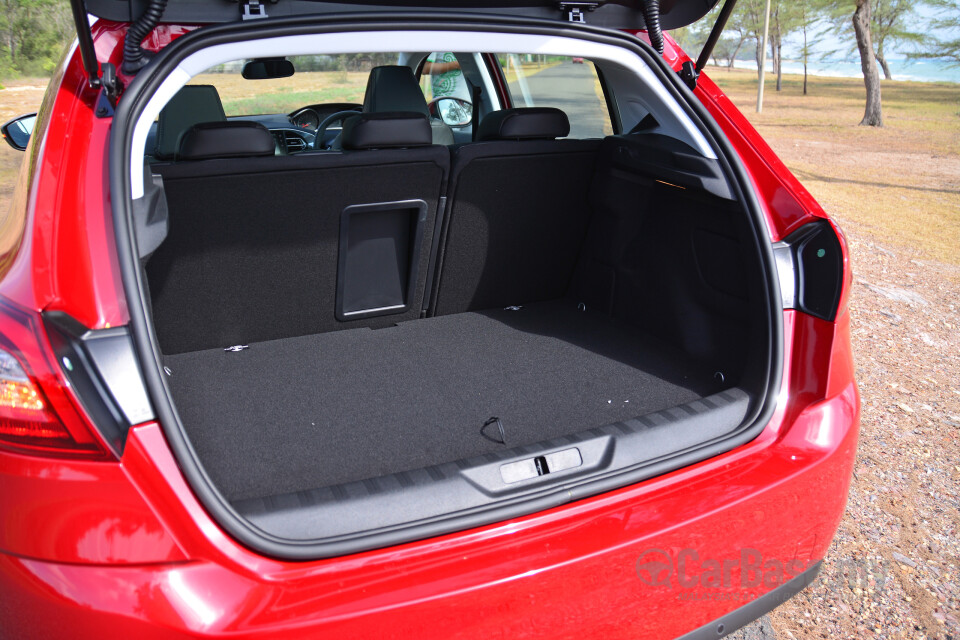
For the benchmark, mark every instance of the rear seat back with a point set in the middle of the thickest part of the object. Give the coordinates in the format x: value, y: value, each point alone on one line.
x: 518, y: 212
x: 262, y: 248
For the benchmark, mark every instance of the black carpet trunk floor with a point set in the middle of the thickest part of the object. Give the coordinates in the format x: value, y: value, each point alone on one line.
x: 311, y: 411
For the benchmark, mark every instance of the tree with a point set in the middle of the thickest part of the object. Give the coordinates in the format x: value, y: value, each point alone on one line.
x: 889, y: 25
x: 947, y: 20
x: 747, y: 22
x: 872, y: 115
x: 32, y: 34
x: 805, y: 24
x: 748, y: 16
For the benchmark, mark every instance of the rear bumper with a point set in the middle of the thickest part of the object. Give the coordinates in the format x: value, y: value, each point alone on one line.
x: 656, y: 560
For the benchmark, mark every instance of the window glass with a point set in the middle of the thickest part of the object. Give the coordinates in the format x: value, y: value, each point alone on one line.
x: 567, y: 83
x: 442, y: 77
x: 318, y: 79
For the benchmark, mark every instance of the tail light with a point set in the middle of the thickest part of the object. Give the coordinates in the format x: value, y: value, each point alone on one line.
x: 38, y: 412
x: 811, y: 263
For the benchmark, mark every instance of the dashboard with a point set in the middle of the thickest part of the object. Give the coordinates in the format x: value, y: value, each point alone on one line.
x: 294, y: 132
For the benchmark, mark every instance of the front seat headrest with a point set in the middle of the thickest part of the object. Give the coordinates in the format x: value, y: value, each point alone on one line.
x: 236, y: 139
x: 193, y: 104
x: 386, y: 131
x: 393, y: 88
x: 527, y: 123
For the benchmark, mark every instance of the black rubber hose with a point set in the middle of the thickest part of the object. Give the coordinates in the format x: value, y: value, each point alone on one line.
x: 136, y: 57
x: 651, y: 15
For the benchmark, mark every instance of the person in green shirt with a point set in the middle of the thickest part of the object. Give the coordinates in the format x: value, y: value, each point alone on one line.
x: 446, y: 77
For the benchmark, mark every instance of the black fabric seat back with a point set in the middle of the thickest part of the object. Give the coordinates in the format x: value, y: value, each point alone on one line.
x: 236, y: 139
x: 193, y: 104
x: 518, y: 213
x: 256, y: 248
x: 395, y: 88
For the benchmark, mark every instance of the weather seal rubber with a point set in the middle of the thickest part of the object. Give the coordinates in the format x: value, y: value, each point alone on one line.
x: 135, y: 100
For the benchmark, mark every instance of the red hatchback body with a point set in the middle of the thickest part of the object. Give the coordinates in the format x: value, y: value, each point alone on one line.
x: 102, y: 539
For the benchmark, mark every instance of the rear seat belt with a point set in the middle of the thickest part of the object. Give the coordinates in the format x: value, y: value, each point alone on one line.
x: 475, y: 115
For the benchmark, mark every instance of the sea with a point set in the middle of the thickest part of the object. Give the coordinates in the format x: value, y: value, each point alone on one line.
x: 904, y: 69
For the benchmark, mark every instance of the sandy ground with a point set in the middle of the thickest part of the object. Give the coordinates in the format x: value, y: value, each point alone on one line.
x: 17, y: 98
x: 892, y: 571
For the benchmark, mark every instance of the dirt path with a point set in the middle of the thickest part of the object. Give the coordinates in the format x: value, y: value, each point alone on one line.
x: 892, y: 571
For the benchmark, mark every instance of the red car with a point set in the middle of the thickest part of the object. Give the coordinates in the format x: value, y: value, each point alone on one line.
x: 329, y: 323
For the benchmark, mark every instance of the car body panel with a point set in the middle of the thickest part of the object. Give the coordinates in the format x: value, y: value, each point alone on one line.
x: 568, y: 572
x: 127, y: 546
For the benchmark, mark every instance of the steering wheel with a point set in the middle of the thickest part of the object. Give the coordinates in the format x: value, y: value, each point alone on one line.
x: 339, y: 116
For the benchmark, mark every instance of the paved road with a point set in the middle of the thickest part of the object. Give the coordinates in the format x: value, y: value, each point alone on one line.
x: 570, y: 87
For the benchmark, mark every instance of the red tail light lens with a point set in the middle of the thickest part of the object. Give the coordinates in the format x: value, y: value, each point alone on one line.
x: 38, y: 413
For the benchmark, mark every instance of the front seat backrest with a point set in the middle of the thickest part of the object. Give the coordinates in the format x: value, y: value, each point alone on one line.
x: 217, y: 140
x: 193, y: 104
x: 394, y: 88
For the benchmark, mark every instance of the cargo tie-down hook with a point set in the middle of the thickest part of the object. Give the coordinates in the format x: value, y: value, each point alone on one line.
x: 493, y: 438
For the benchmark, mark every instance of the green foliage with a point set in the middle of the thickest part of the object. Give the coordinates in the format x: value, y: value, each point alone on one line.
x: 946, y: 20
x: 32, y: 34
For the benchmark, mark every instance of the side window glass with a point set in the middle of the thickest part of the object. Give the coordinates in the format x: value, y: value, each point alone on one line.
x: 446, y: 89
x: 567, y: 83
x: 443, y: 78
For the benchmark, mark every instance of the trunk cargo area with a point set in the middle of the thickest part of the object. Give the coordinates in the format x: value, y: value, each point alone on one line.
x: 334, y: 408
x: 384, y: 305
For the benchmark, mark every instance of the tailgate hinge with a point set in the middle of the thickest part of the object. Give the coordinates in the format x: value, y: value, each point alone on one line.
x: 103, y: 77
x: 689, y: 74
x: 110, y: 88
x: 576, y: 12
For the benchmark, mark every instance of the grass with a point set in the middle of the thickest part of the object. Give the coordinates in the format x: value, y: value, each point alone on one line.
x: 18, y: 97
x: 900, y: 182
x: 284, y: 95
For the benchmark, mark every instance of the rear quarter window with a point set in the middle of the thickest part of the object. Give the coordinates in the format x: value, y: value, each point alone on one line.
x: 568, y: 83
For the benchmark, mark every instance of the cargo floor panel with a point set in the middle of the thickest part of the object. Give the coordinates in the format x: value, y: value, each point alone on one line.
x: 319, y: 410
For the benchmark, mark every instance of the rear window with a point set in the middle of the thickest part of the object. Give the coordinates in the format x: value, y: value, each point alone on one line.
x: 567, y: 83
x: 318, y: 79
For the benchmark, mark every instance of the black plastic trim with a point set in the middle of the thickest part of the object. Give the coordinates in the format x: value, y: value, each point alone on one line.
x: 746, y: 614
x: 618, y: 14
x: 102, y: 369
x: 810, y: 268
x: 147, y: 82
x: 414, y: 237
x: 614, y: 113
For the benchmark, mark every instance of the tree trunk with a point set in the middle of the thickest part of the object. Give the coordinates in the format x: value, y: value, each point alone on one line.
x: 872, y: 114
x: 758, y: 56
x: 778, y: 63
x: 805, y: 51
x: 776, y: 45
x: 883, y: 63
x: 733, y: 56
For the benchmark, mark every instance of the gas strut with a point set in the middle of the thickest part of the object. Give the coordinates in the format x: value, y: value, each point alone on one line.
x: 690, y: 72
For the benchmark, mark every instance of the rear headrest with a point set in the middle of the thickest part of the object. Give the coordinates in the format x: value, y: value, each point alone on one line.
x: 386, y: 130
x: 393, y: 88
x: 192, y: 104
x: 236, y: 139
x: 529, y: 123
